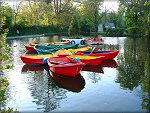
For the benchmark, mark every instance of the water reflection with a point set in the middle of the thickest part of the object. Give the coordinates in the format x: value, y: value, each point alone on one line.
x: 94, y: 77
x: 47, y: 95
x: 95, y: 69
x: 128, y: 76
x: 28, y: 68
x: 134, y: 69
x: 48, y: 89
x: 74, y: 84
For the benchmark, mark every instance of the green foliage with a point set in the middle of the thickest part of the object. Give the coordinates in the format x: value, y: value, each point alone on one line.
x: 136, y: 16
x: 30, y: 30
x: 74, y: 28
x: 4, y: 48
x: 115, y: 32
x: 4, y: 56
x: 8, y: 13
x: 89, y: 16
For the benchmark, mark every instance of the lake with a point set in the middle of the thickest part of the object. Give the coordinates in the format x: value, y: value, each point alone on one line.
x: 120, y: 85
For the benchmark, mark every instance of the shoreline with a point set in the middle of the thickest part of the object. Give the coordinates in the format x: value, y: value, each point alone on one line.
x: 32, y: 36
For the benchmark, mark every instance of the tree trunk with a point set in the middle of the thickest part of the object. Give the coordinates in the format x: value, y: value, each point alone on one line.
x: 0, y: 38
x: 59, y: 5
x: 95, y: 20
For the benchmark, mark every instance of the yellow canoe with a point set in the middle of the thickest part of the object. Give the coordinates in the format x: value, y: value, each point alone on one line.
x: 88, y: 60
x: 37, y: 59
x: 79, y: 49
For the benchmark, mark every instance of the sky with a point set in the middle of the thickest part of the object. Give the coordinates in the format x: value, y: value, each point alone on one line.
x: 111, y: 5
x: 107, y: 5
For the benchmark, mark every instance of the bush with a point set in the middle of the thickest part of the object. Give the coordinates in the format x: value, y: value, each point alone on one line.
x: 134, y: 31
x: 35, y: 30
x: 115, y: 32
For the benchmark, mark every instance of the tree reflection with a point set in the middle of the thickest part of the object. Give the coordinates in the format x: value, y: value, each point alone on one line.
x: 134, y: 69
x: 45, y: 91
x: 146, y: 78
x: 94, y: 77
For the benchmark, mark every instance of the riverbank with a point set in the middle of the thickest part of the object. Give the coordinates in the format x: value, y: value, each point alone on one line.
x: 32, y: 36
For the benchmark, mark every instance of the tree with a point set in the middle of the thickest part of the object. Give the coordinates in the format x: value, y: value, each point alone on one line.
x: 89, y: 12
x: 74, y: 28
x: 136, y: 15
x: 17, y: 7
x: 4, y: 48
x: 8, y: 13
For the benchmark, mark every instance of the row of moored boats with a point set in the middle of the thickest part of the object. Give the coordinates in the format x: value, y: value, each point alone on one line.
x: 65, y: 58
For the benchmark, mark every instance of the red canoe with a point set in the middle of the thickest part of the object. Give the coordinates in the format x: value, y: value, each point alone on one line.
x: 37, y: 59
x: 74, y: 84
x: 30, y: 48
x: 94, y: 41
x: 65, y: 66
x: 107, y: 54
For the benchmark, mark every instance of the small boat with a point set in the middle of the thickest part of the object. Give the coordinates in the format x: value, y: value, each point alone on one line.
x: 65, y: 66
x: 31, y: 48
x: 88, y: 60
x: 53, y: 48
x: 107, y: 54
x: 74, y: 84
x: 94, y: 41
x: 80, y: 41
x: 36, y: 59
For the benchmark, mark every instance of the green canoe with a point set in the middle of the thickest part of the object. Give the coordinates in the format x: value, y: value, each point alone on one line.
x: 41, y: 49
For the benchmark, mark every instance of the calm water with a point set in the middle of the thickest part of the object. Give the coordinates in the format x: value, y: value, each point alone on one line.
x: 121, y: 85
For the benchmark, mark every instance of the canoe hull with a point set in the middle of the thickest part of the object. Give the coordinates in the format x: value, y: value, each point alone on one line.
x: 35, y: 59
x: 108, y: 55
x: 89, y: 60
x: 71, y: 71
x: 64, y: 67
x: 30, y: 60
x: 30, y: 48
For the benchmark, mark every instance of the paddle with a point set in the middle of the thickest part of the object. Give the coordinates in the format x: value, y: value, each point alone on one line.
x: 92, y: 50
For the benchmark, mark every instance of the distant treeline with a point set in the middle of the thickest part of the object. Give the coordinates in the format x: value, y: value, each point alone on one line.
x: 76, y: 17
